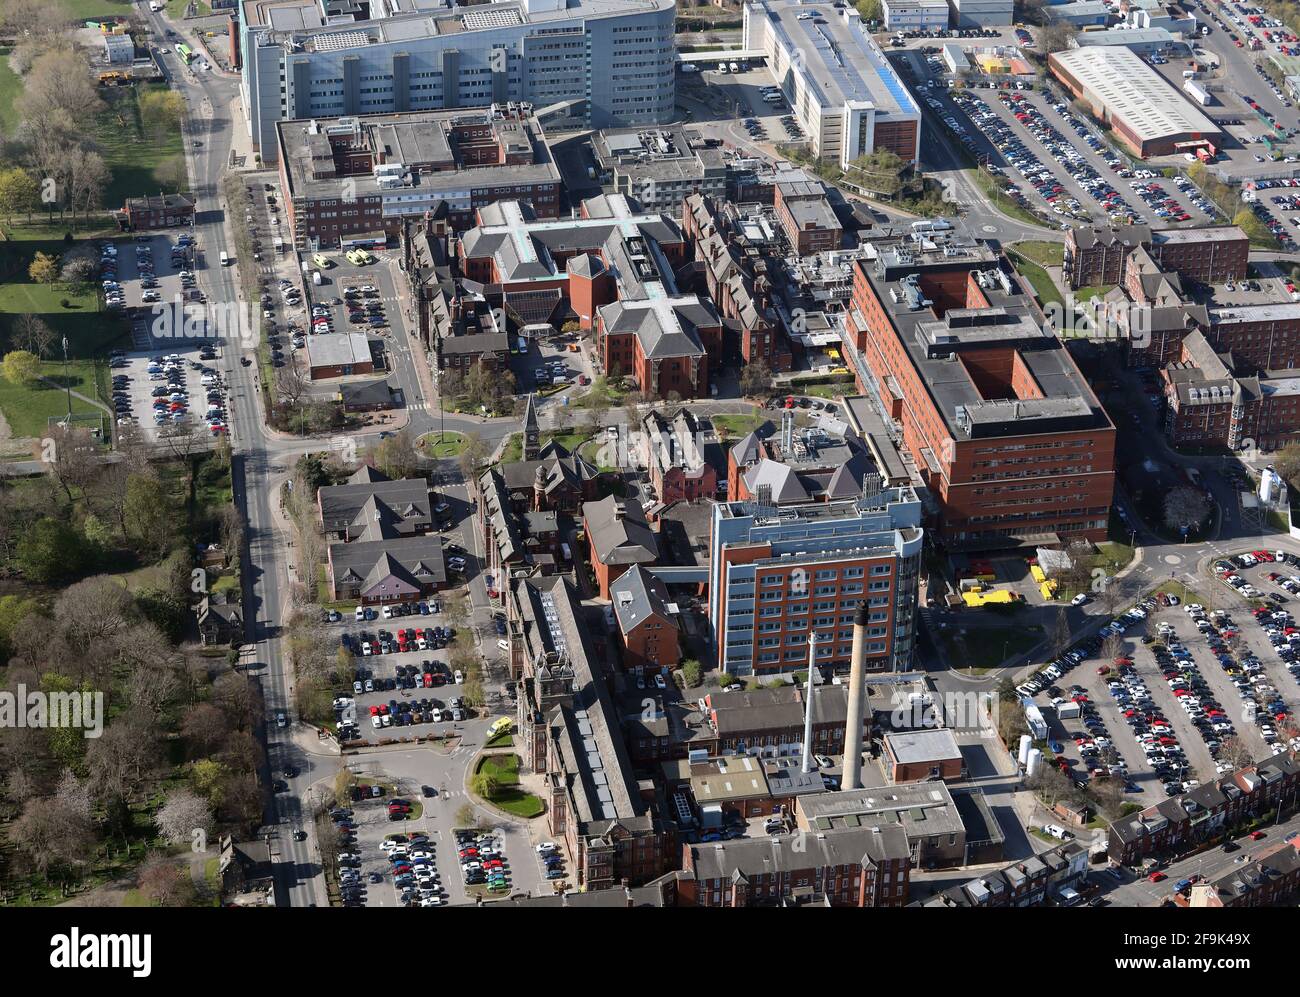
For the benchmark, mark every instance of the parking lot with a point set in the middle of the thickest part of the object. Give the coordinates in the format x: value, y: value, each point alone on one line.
x: 1188, y: 691
x: 401, y: 678
x: 163, y: 392
x: 743, y: 92
x: 1064, y: 165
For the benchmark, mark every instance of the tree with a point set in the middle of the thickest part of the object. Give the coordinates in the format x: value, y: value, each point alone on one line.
x: 486, y: 783
x: 70, y: 456
x: 1287, y: 464
x: 1235, y: 752
x: 31, y: 334
x: 881, y: 171
x: 77, y: 273
x: 160, y: 113
x: 19, y: 192
x: 473, y: 454
x: 44, y: 268
x: 755, y: 379
x: 59, y: 84
x: 1060, y: 636
x: 51, y: 551
x: 20, y: 368
x: 692, y: 673
x: 869, y: 10
x: 165, y: 882
x: 1055, y: 38
x: 397, y: 456
x: 147, y: 522
x: 1186, y: 508
x: 183, y: 813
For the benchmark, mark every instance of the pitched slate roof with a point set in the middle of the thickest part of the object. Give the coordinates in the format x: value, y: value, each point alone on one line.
x: 637, y: 596
x: 619, y: 533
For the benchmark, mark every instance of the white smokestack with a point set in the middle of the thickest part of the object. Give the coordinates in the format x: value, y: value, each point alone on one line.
x: 853, y: 723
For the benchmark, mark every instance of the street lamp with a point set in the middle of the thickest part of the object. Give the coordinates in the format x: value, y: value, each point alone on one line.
x: 67, y: 381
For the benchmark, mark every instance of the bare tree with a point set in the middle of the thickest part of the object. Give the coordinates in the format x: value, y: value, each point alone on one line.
x: 30, y: 333
x: 1185, y: 508
x: 1235, y: 752
x: 166, y: 882
x: 72, y: 460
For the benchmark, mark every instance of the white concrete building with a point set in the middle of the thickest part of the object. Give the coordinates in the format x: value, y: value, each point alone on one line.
x: 841, y: 89
x: 915, y: 15
x: 596, y: 63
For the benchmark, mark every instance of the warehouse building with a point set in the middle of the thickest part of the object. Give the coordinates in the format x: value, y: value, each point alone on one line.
x: 915, y: 15
x: 1143, y: 41
x: 981, y: 13
x: 594, y: 63
x: 1081, y: 14
x: 1149, y: 116
x: 844, y: 93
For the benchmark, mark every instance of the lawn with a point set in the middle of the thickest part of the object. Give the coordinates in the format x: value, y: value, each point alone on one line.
x: 601, y: 394
x: 81, y: 10
x: 11, y: 86
x: 440, y: 445
x: 987, y: 647
x: 1044, y: 288
x: 1088, y: 293
x: 89, y: 331
x: 1045, y: 254
x: 506, y: 739
x: 509, y: 797
x: 28, y: 408
x: 141, y: 164
x: 736, y: 424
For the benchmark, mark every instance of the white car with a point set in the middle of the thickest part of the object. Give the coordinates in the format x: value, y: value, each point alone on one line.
x: 546, y: 847
x: 1079, y: 599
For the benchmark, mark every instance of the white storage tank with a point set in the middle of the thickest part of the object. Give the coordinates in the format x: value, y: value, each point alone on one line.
x: 1026, y: 743
x: 1033, y: 762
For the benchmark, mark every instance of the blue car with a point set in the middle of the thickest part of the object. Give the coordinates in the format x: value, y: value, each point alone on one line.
x: 424, y: 609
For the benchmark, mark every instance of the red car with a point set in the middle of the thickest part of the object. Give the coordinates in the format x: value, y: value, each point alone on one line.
x: 1157, y: 877
x: 427, y: 680
x: 1256, y: 835
x: 374, y: 711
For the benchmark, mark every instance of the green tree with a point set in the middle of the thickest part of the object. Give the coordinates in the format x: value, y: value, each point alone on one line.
x: 148, y: 521
x: 692, y: 673
x: 19, y: 192
x: 397, y: 457
x: 208, y: 778
x: 51, y: 551
x: 44, y: 269
x: 486, y: 783
x: 869, y: 9
x: 20, y: 367
x: 13, y: 610
x: 164, y: 610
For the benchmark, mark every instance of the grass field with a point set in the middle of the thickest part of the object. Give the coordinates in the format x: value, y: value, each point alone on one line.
x: 439, y: 445
x: 737, y: 424
x: 141, y: 164
x: 1045, y: 254
x: 89, y: 331
x: 987, y: 647
x: 1038, y: 278
x: 1001, y: 200
x: 81, y: 10
x: 509, y: 797
x: 28, y: 408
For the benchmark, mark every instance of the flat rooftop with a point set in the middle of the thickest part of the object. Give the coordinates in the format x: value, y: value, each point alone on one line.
x: 920, y: 746
x: 1272, y: 311
x: 933, y: 337
x: 1133, y: 92
x: 404, y: 21
x: 411, y: 138
x: 839, y: 57
x: 667, y: 152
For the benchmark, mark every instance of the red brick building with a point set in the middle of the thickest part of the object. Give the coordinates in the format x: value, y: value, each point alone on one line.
x: 736, y: 274
x: 648, y: 627
x: 863, y: 867
x: 359, y: 177
x: 617, y: 538
x: 806, y: 217
x: 1211, y: 255
x: 1003, y: 427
